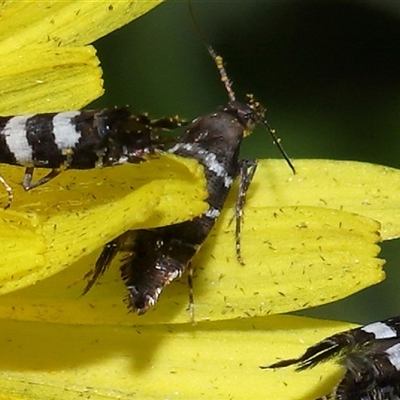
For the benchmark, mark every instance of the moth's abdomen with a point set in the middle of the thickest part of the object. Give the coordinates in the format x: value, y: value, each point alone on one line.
x: 157, y: 259
x: 43, y: 140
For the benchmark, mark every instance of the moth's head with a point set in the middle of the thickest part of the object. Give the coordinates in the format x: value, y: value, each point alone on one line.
x: 250, y: 113
x: 247, y: 113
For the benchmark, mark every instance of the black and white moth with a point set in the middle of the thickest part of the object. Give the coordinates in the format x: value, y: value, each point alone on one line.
x: 370, y: 355
x: 78, y: 140
x: 158, y: 256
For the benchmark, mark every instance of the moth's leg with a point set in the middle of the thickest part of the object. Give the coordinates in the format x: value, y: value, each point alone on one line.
x: 8, y: 190
x: 168, y: 123
x: 165, y: 124
x: 108, y: 253
x: 122, y: 243
x: 27, y: 182
x: 191, y: 293
x: 247, y: 168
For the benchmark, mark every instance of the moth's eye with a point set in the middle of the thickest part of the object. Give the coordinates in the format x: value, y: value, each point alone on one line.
x: 248, y: 118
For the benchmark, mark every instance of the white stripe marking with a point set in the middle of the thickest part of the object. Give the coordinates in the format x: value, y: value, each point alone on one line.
x: 15, y: 135
x: 212, y: 213
x: 210, y: 161
x: 380, y: 330
x: 184, y: 146
x: 394, y: 355
x: 213, y: 165
x: 65, y: 133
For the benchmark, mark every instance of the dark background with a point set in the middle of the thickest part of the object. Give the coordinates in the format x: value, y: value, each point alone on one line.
x: 329, y: 73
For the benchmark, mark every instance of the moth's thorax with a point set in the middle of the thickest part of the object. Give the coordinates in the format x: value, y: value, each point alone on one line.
x: 218, y: 132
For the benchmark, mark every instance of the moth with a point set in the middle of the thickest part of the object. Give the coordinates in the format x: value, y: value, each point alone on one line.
x: 78, y: 140
x: 370, y: 356
x: 159, y: 256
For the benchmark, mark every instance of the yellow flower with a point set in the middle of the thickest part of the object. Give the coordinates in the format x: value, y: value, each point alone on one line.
x: 296, y: 256
x: 307, y: 240
x: 47, y: 64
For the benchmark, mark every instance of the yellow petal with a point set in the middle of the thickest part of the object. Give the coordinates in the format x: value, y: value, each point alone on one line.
x: 38, y: 74
x: 46, y: 79
x: 296, y: 257
x: 210, y: 360
x: 50, y: 227
x: 161, y: 361
x: 64, y: 23
x: 366, y: 189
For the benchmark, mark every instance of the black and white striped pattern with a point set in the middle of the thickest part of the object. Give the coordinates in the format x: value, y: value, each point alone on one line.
x: 77, y: 139
x: 159, y: 256
x: 370, y: 355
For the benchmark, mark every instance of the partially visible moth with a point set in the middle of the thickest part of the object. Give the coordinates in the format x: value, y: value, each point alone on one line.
x: 77, y: 140
x: 371, y: 358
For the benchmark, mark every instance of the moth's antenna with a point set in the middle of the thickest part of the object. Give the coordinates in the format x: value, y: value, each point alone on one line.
x: 228, y: 86
x: 219, y: 62
x: 277, y: 142
x: 261, y: 113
